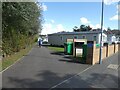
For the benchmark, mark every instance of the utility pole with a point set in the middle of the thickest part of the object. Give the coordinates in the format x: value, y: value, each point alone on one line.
x: 100, y: 56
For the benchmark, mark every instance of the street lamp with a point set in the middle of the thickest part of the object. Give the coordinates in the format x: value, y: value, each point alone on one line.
x: 100, y: 57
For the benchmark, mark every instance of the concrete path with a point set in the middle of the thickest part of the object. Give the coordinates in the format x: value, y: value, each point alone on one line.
x: 41, y: 68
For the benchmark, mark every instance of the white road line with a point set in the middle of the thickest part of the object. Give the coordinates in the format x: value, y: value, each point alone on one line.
x: 70, y: 77
x: 16, y: 62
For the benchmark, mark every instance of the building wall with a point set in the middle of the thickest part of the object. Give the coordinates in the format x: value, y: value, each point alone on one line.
x: 112, y: 38
x: 56, y: 39
x: 104, y: 38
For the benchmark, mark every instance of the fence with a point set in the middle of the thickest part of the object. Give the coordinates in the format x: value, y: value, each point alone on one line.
x: 94, y: 52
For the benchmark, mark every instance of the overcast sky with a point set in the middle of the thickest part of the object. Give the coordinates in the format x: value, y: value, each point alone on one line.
x: 63, y: 16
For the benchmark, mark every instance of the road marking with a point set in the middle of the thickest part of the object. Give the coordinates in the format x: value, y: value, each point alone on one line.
x: 70, y: 78
x: 113, y: 66
x: 15, y: 62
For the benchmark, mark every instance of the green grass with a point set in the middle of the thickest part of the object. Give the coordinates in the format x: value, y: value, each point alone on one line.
x: 60, y: 49
x: 7, y: 61
x: 57, y: 49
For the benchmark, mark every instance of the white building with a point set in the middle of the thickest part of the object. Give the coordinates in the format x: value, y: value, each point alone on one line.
x: 111, y: 38
x: 60, y: 38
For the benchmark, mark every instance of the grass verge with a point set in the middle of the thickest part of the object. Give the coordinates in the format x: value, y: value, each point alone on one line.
x: 7, y: 61
x: 57, y: 49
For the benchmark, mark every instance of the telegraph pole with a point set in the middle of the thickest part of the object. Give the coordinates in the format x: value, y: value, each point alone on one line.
x: 100, y: 56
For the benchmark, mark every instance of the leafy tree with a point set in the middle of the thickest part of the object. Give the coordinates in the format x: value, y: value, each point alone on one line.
x: 20, y: 22
x: 76, y: 29
x: 88, y: 28
x: 82, y: 28
x: 108, y: 29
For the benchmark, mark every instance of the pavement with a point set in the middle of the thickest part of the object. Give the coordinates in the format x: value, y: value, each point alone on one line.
x: 43, y: 68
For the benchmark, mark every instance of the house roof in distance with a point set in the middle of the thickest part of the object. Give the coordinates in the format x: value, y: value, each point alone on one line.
x: 82, y: 32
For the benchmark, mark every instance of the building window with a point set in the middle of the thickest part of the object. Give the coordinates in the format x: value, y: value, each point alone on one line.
x: 94, y: 38
x: 84, y: 37
x: 75, y: 37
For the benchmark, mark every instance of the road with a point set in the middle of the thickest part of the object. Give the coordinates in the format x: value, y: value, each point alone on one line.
x: 41, y: 68
x: 97, y: 76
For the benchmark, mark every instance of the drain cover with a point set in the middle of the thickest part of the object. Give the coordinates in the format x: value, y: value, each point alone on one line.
x: 113, y: 66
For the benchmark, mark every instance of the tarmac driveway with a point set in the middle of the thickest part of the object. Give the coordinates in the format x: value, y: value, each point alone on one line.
x: 41, y: 68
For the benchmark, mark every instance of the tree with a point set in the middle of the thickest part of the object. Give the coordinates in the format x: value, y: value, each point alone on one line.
x: 76, y: 29
x: 108, y: 29
x: 82, y: 28
x: 88, y: 28
x: 20, y: 22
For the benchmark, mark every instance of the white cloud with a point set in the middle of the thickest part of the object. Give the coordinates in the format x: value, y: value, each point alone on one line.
x: 115, y: 17
x: 87, y: 22
x: 52, y: 21
x: 44, y: 7
x: 47, y: 28
x: 109, y: 2
x: 50, y: 28
x: 117, y: 6
x: 60, y: 28
x: 97, y: 26
x: 84, y: 20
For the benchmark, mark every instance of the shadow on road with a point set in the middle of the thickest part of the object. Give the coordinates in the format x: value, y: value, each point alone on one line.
x: 69, y: 58
x: 48, y: 79
x: 45, y: 79
x: 57, y: 53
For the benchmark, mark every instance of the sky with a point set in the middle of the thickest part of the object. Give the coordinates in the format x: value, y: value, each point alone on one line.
x: 63, y: 16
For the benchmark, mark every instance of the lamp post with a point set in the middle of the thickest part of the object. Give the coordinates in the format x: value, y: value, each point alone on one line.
x: 100, y: 56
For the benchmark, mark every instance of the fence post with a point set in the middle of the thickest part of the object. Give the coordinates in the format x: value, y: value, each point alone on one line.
x: 114, y: 46
x: 106, y: 44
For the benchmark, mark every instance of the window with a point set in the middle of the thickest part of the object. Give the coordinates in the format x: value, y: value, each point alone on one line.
x: 94, y: 38
x: 75, y: 37
x: 61, y: 38
x: 84, y: 37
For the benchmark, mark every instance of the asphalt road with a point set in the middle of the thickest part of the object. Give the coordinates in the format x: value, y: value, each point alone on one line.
x: 41, y: 68
x: 97, y: 76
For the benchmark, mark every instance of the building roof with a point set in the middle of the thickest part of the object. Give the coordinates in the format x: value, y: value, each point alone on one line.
x: 112, y: 32
x: 82, y: 32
